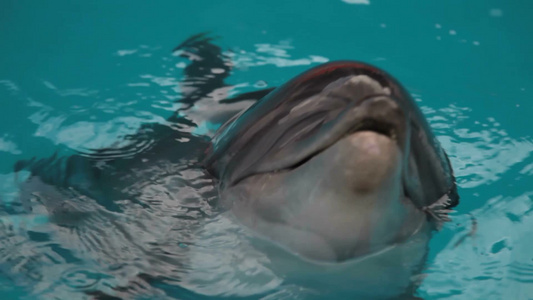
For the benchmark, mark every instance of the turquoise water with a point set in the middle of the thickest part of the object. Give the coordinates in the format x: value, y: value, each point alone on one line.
x: 75, y: 77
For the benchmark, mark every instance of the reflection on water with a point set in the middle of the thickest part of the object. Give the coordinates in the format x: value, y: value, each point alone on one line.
x: 268, y: 54
x: 138, y: 217
x: 494, y: 260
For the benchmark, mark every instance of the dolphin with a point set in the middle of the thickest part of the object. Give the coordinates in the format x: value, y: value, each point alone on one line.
x: 337, y: 169
x: 335, y: 166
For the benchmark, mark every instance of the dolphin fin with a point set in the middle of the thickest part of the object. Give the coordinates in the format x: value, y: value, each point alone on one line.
x: 207, y: 69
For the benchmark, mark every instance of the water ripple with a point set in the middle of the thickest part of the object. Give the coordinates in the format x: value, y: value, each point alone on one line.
x: 272, y: 54
x: 496, y: 260
x: 481, y: 152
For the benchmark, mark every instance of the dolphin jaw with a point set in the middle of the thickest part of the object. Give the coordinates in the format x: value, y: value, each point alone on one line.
x: 379, y: 126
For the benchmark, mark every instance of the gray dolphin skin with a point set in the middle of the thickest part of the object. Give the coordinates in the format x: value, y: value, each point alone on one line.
x: 335, y: 165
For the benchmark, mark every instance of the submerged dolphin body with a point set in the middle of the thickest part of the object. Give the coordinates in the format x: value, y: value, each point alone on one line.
x: 336, y: 166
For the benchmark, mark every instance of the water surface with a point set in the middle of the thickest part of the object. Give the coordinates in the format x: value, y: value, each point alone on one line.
x: 75, y: 77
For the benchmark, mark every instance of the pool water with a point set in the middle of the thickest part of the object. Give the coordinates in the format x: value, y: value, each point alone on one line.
x: 81, y: 76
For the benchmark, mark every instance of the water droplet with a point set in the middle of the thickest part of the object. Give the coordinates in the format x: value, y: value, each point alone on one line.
x: 453, y: 32
x: 476, y: 43
x: 438, y: 26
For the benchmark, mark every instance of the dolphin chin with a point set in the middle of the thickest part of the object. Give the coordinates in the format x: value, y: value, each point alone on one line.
x: 370, y: 161
x: 342, y: 203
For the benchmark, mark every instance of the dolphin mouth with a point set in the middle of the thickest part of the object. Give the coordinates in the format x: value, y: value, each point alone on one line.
x: 380, y: 114
x: 378, y: 126
x: 377, y: 113
x: 368, y: 123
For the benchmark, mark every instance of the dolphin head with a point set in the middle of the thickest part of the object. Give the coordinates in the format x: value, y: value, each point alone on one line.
x: 337, y: 163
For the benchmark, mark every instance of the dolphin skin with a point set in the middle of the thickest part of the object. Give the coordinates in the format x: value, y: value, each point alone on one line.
x: 338, y: 165
x: 340, y: 154
x: 337, y: 170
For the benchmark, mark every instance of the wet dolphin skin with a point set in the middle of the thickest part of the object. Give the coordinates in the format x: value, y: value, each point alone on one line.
x: 335, y: 166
